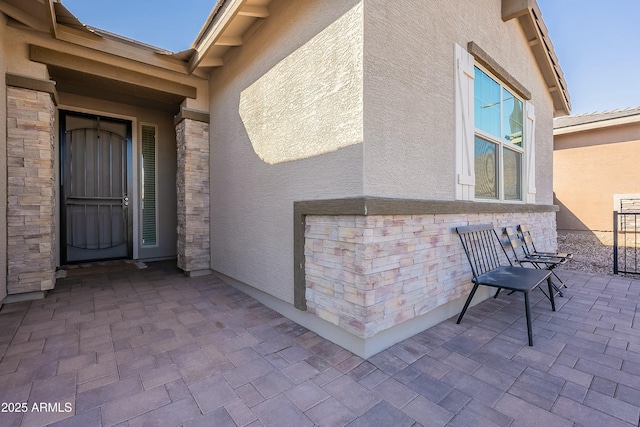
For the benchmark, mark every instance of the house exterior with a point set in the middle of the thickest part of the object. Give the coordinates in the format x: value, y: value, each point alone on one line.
x: 595, y: 171
x: 318, y: 155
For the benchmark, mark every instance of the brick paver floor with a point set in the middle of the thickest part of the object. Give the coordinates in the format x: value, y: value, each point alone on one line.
x: 152, y: 347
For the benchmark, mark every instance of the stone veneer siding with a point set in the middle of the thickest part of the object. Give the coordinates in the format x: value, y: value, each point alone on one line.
x: 192, y: 182
x: 366, y: 274
x: 31, y: 191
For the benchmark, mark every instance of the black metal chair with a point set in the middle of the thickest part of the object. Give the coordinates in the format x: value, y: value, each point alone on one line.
x: 489, y: 269
x: 530, y: 247
x: 523, y: 256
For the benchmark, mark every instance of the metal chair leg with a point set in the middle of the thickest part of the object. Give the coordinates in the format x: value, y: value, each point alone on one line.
x: 551, y: 285
x: 528, y: 315
x: 466, y: 304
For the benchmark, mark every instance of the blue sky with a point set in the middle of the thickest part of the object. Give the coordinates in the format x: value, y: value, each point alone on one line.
x: 596, y: 41
x: 169, y: 24
x: 597, y: 44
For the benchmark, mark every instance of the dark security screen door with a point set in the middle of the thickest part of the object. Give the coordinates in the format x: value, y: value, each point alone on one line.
x: 96, y: 181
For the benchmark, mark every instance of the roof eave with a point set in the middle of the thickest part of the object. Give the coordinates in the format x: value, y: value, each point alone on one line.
x: 600, y: 124
x: 530, y: 18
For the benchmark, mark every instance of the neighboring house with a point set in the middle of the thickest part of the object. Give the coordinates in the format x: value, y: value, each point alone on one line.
x: 595, y: 170
x: 317, y: 154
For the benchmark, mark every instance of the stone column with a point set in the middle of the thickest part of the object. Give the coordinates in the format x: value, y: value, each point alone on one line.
x: 31, y: 192
x: 192, y: 186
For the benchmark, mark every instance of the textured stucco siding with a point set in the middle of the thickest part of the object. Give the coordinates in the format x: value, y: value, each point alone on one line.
x: 331, y: 99
x: 286, y: 125
x: 409, y: 92
x: 590, y: 167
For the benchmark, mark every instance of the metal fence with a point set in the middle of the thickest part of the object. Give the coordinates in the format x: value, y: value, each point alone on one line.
x: 626, y: 241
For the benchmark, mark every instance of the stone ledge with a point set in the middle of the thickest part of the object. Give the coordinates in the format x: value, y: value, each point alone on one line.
x: 31, y: 83
x: 195, y: 115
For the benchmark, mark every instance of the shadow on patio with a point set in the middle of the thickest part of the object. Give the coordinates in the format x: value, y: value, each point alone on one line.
x: 153, y: 347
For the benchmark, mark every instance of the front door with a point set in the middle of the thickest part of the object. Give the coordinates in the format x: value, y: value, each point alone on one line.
x: 96, y: 169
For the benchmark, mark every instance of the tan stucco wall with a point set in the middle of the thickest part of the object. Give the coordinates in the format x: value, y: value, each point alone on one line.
x: 3, y: 160
x: 409, y: 92
x: 276, y: 138
x: 17, y: 54
x: 166, y: 166
x: 589, y: 168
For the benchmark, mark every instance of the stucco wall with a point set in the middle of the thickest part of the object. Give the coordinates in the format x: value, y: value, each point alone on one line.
x: 17, y: 54
x: 409, y: 92
x: 3, y: 161
x: 276, y: 137
x: 589, y: 168
x: 331, y: 99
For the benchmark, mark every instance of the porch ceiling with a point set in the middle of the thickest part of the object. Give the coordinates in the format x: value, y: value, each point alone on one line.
x: 99, y: 87
x: 101, y: 80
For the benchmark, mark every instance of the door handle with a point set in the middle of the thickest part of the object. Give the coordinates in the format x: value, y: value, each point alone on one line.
x: 125, y: 201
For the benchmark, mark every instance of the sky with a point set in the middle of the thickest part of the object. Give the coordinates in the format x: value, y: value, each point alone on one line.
x: 597, y: 45
x: 169, y: 24
x: 596, y: 41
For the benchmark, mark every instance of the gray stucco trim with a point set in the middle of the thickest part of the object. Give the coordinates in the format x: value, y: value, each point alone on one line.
x: 383, y: 206
x: 492, y: 65
x: 31, y: 83
x: 188, y: 113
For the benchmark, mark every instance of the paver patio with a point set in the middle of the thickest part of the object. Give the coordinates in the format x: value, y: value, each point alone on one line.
x: 152, y: 347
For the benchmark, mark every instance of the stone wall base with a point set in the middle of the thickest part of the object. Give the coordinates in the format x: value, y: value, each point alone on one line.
x: 368, y: 274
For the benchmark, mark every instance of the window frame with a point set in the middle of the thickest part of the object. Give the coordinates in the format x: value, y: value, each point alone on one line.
x: 142, y: 186
x: 465, y: 61
x: 502, y: 143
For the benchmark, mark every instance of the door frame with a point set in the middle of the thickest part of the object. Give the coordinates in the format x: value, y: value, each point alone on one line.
x: 131, y: 179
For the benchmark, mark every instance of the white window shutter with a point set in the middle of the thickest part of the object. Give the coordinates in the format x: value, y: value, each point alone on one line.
x: 530, y: 152
x: 465, y: 171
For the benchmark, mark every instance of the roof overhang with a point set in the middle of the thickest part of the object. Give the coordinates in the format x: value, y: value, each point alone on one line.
x: 529, y: 16
x: 600, y: 124
x: 228, y: 25
x: 93, y: 78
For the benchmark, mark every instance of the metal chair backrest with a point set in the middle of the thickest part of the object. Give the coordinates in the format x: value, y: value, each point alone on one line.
x: 515, y: 243
x: 480, y: 244
x: 528, y: 246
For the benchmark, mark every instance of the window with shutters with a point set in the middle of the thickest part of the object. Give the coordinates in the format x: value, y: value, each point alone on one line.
x: 495, y: 157
x: 148, y: 191
x: 498, y: 144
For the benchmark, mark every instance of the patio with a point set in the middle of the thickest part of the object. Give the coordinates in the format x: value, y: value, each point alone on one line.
x: 122, y: 346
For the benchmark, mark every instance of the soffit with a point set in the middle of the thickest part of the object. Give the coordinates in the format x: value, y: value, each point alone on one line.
x: 98, y: 87
x: 529, y: 16
x: 30, y: 13
x: 230, y: 24
x: 92, y: 78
